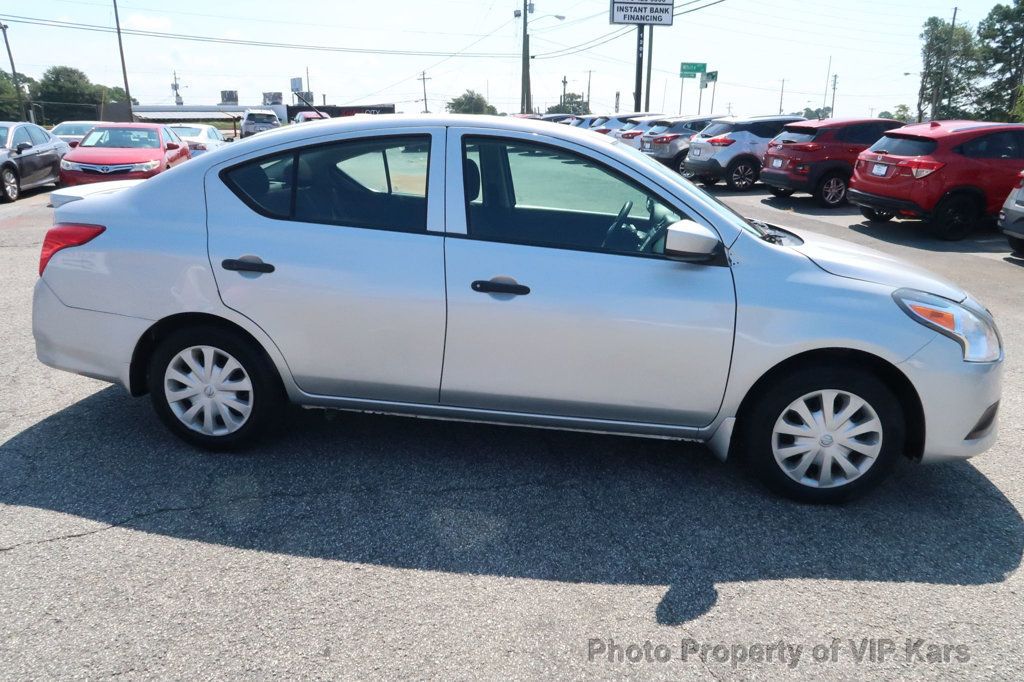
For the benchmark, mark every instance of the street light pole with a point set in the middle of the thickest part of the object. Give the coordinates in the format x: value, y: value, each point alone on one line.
x: 525, y: 104
x: 124, y: 69
x: 14, y: 73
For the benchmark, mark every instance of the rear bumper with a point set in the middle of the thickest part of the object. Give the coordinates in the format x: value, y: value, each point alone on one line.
x: 777, y: 178
x: 86, y: 342
x: 898, y: 206
x: 709, y: 167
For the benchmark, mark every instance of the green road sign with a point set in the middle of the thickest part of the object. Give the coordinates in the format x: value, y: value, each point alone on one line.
x: 687, y: 75
x: 711, y: 76
x: 692, y: 67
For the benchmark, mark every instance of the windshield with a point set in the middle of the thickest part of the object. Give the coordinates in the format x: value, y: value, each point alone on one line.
x: 717, y: 129
x: 187, y: 131
x: 121, y: 138
x: 72, y: 128
x: 796, y: 135
x: 262, y: 118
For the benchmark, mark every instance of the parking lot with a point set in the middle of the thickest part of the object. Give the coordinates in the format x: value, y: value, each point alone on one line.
x: 359, y: 545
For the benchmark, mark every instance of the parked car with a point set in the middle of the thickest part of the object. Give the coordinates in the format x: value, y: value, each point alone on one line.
x: 668, y: 139
x: 29, y: 157
x: 1011, y: 217
x: 612, y: 122
x: 585, y: 121
x: 200, y: 138
x: 73, y: 131
x: 307, y: 116
x: 818, y: 156
x: 589, y: 289
x: 257, y: 121
x: 951, y: 174
x: 122, y: 151
x: 630, y: 133
x: 732, y: 148
x: 556, y: 118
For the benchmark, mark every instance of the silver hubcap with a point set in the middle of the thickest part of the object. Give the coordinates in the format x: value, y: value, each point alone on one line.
x: 833, y: 190
x: 10, y: 184
x: 827, y: 439
x: 208, y: 390
x: 743, y: 176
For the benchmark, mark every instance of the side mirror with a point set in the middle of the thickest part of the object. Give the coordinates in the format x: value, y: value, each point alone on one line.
x: 73, y: 144
x: 690, y: 242
x: 23, y: 147
x: 172, y: 145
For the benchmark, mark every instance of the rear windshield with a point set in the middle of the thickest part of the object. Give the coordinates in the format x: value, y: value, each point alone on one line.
x: 187, y: 132
x: 72, y: 128
x: 900, y: 145
x: 797, y: 135
x: 599, y: 121
x: 658, y: 127
x: 718, y: 129
x: 262, y: 118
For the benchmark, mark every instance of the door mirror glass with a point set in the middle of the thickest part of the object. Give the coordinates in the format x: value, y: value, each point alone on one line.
x: 689, y: 241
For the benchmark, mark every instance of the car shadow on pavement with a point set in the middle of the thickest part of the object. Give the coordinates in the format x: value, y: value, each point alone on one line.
x: 501, y: 501
x: 915, y: 234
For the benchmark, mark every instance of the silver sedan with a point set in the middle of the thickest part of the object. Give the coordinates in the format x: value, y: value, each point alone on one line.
x: 510, y: 271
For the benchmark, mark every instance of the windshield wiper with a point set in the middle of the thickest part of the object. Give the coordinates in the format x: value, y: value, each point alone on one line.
x: 767, y: 232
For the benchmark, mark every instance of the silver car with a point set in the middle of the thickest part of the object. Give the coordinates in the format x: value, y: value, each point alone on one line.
x: 668, y: 139
x: 1011, y: 217
x: 510, y: 271
x: 609, y: 123
x: 258, y: 121
x: 631, y: 133
x: 733, y: 148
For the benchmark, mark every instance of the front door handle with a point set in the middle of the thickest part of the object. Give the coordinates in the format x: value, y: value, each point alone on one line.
x: 490, y: 286
x: 237, y: 265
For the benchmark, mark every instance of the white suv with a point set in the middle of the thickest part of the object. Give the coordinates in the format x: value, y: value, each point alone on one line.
x: 733, y: 148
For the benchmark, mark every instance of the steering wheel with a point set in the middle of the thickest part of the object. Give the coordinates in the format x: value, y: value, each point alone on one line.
x: 654, y: 235
x: 619, y: 221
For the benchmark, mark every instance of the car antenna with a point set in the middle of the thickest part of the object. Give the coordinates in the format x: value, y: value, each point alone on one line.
x: 309, y: 104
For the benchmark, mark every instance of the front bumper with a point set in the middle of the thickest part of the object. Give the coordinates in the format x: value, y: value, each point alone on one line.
x: 901, y: 207
x: 959, y: 399
x: 68, y: 178
x: 93, y: 344
x: 704, y: 167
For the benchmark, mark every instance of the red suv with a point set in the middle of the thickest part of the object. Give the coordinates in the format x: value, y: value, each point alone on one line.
x: 949, y: 173
x: 818, y: 156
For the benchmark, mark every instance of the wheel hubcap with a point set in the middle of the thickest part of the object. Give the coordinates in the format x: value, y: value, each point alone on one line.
x: 834, y: 190
x: 743, y: 176
x: 208, y: 390
x: 827, y: 439
x: 10, y: 184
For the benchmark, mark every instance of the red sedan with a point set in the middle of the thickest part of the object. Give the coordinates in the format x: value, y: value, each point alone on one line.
x: 122, y: 151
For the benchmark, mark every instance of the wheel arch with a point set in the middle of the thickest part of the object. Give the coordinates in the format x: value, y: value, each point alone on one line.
x: 889, y: 373
x: 972, y: 191
x: 745, y: 156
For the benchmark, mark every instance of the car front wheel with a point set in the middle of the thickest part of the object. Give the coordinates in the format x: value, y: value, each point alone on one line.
x: 823, y: 435
x: 213, y: 389
x: 11, y: 186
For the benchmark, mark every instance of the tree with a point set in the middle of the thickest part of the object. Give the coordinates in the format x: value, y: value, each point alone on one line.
x: 1001, y: 53
x: 9, y: 96
x: 470, y: 102
x: 571, y: 104
x: 950, y: 70
x: 823, y: 112
x: 67, y: 93
x: 902, y: 113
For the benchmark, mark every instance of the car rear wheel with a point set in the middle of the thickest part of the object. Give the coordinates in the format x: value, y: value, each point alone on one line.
x: 1016, y: 244
x: 823, y: 434
x: 213, y: 389
x: 781, y: 191
x: 679, y: 163
x: 955, y: 217
x: 742, y: 174
x: 11, y: 185
x: 875, y: 215
x: 831, y: 191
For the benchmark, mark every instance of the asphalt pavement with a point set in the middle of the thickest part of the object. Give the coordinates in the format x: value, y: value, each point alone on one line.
x: 361, y: 547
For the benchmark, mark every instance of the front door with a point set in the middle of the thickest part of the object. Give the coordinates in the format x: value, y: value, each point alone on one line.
x: 355, y: 300
x: 560, y: 300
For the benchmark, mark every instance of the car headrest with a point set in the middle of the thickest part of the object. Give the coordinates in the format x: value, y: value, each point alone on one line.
x: 252, y: 179
x: 471, y: 178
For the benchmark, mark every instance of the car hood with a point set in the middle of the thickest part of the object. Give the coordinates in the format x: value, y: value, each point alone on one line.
x: 112, y: 155
x: 853, y: 261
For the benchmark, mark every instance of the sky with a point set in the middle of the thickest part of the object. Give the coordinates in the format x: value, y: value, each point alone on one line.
x: 754, y: 45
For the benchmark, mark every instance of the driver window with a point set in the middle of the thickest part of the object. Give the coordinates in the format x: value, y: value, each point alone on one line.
x: 529, y: 193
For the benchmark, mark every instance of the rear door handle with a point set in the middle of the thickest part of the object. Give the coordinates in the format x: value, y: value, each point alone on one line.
x: 490, y: 286
x: 246, y: 265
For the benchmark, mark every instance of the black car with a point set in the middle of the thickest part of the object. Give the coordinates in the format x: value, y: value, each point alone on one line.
x: 29, y: 157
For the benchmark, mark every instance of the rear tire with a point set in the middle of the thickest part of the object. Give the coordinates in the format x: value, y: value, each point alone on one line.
x: 955, y: 217
x: 876, y: 216
x: 742, y: 174
x: 213, y: 388
x: 679, y: 163
x: 1016, y: 244
x: 831, y: 190
x: 797, y: 451
x: 781, y: 191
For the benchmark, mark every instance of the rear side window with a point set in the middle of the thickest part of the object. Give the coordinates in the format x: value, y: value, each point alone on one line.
x: 599, y: 121
x: 1003, y: 145
x: 863, y: 133
x: 265, y: 184
x: 38, y: 135
x: 717, y: 129
x: 766, y: 129
x: 898, y: 145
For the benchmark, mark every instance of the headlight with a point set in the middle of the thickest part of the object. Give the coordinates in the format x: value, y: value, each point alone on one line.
x: 974, y: 330
x: 143, y: 167
x: 68, y: 165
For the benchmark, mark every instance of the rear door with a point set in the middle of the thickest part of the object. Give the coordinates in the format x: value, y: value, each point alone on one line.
x: 47, y: 154
x: 356, y: 298
x: 995, y: 160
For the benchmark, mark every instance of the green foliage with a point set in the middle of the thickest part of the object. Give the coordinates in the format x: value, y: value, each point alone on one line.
x: 572, y: 104
x: 65, y: 92
x: 9, y: 96
x: 470, y: 102
x: 1001, y: 55
x: 823, y: 112
x: 902, y: 113
x: 950, y: 70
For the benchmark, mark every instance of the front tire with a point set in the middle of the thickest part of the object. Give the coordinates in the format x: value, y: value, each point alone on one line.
x: 823, y: 434
x: 875, y: 215
x: 213, y: 388
x: 742, y: 174
x: 11, y: 185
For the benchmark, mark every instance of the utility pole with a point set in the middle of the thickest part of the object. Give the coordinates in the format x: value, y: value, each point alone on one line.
x: 175, y: 87
x: 682, y: 82
x: 937, y: 94
x: 124, y: 69
x: 14, y: 73
x: 781, y: 94
x: 650, y: 62
x: 525, y: 102
x: 588, y: 88
x: 828, y: 75
x: 423, y: 77
x: 729, y: 108
x: 565, y: 82
x: 835, y: 81
x: 639, y: 84
x: 309, y: 88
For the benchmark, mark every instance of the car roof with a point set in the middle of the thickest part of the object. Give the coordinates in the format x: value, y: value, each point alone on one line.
x: 140, y: 126
x: 936, y: 129
x: 260, y: 111
x: 692, y: 117
x: 755, y: 119
x: 93, y: 122
x: 837, y: 122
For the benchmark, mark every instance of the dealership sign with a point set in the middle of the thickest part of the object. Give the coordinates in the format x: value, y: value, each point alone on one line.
x: 652, y: 12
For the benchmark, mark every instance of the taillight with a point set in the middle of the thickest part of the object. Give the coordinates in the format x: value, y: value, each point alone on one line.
x: 721, y: 141
x: 198, y: 146
x: 631, y: 134
x: 603, y: 131
x: 665, y: 139
x: 65, y: 236
x: 917, y: 168
x: 805, y: 146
